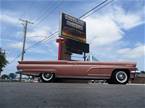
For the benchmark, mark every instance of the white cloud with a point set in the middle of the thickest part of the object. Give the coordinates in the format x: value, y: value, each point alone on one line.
x: 107, y: 28
x: 106, y: 34
x: 126, y: 19
x: 102, y: 30
x: 38, y: 34
x: 137, y: 52
x: 9, y: 19
x: 10, y: 58
x: 37, y: 51
x: 16, y: 45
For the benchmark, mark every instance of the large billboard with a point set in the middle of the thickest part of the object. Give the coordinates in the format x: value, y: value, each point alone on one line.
x: 73, y: 28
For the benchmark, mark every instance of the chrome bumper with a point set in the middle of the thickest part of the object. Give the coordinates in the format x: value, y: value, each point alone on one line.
x: 133, y: 74
x: 137, y: 71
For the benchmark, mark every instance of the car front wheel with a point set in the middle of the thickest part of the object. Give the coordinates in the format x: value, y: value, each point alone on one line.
x: 120, y: 77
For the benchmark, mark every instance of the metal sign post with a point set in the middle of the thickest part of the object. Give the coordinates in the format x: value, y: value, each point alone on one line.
x: 63, y: 54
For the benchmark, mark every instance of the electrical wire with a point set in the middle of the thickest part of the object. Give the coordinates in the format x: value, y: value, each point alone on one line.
x: 29, y: 7
x: 82, y: 16
x: 48, y: 14
x: 79, y: 17
x: 15, y: 59
x: 93, y: 9
x: 46, y: 38
x: 43, y: 13
x: 50, y: 36
x: 101, y: 6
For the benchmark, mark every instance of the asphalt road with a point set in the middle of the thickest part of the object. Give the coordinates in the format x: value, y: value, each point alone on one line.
x: 68, y: 95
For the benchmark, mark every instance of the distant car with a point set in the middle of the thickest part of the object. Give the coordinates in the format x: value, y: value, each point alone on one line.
x: 5, y: 77
x: 113, y: 72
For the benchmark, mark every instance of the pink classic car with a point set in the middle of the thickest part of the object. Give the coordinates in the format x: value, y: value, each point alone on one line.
x: 113, y: 72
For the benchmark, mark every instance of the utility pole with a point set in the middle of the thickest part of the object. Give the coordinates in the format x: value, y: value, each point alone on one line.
x: 25, y: 23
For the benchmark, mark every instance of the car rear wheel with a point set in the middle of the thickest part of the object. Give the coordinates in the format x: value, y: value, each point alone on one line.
x: 47, y: 77
x: 120, y: 77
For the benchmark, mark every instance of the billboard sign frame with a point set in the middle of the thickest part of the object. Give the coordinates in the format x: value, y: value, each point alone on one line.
x: 72, y: 28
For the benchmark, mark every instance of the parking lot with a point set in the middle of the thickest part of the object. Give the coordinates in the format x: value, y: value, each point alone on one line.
x: 70, y: 95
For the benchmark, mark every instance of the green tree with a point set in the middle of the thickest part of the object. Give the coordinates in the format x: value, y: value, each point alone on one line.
x: 3, y: 61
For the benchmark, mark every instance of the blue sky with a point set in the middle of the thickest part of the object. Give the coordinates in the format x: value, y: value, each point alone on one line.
x: 115, y: 33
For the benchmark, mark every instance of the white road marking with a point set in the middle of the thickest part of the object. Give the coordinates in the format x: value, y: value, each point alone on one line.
x: 135, y: 84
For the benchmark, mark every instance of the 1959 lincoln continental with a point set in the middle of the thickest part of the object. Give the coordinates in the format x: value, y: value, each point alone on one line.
x: 113, y: 72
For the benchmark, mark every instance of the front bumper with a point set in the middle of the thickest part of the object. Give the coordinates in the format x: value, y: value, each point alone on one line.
x: 133, y: 74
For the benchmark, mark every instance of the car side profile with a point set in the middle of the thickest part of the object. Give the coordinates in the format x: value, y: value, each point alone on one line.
x: 113, y: 72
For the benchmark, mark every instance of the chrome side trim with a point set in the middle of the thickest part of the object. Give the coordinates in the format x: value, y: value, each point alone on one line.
x: 83, y: 77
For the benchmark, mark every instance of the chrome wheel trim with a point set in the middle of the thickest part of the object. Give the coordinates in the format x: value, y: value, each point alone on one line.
x: 121, y: 76
x: 47, y: 76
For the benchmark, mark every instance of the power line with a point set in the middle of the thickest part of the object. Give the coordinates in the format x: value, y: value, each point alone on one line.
x: 83, y: 15
x: 51, y: 11
x: 99, y: 8
x: 93, y: 13
x: 93, y: 8
x: 29, y: 8
x: 43, y: 20
x: 79, y: 17
x: 49, y: 37
x: 15, y: 59
x: 44, y: 12
x: 33, y: 46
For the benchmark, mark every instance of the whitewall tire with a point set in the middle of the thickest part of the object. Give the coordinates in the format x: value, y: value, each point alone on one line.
x: 47, y: 77
x: 121, y: 77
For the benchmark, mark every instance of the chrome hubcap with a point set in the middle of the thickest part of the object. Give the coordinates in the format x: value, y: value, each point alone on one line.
x: 121, y: 77
x: 47, y: 76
